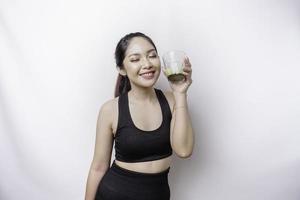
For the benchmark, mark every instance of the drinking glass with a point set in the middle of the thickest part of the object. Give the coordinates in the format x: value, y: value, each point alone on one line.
x: 173, y: 65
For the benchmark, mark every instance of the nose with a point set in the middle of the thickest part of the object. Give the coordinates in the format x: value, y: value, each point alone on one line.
x: 146, y: 63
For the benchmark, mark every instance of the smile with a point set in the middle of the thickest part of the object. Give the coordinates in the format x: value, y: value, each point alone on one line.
x: 149, y: 75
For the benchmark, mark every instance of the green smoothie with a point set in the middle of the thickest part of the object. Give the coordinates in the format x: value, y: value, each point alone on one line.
x: 174, y: 76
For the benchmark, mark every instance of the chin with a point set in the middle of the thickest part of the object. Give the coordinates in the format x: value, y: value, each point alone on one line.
x: 148, y: 84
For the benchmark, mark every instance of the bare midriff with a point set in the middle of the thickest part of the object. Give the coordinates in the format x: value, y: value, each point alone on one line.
x: 154, y: 166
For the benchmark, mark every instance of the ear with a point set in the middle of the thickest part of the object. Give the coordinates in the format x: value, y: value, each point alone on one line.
x: 121, y: 71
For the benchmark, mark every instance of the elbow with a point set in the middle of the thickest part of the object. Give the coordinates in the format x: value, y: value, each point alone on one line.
x: 99, y: 167
x: 185, y: 154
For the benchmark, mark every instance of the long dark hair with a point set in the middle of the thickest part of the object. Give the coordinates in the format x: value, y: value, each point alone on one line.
x: 123, y: 83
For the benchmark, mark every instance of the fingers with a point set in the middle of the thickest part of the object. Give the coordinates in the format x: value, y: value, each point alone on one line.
x: 187, y: 62
x: 187, y: 69
x: 186, y: 73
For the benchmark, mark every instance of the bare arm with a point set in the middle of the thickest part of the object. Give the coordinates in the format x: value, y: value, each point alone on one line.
x: 182, y: 136
x: 102, y: 151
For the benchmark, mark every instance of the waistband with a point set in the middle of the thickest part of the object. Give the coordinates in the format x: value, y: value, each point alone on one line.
x: 131, y: 173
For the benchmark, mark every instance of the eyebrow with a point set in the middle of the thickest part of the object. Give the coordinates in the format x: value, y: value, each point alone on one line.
x: 139, y: 54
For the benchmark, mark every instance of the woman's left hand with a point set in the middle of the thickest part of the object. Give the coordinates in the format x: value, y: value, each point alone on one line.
x: 182, y: 86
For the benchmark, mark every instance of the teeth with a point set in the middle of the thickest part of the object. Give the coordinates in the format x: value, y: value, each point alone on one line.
x: 148, y: 74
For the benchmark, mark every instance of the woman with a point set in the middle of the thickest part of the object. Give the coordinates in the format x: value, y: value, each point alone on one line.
x: 146, y: 125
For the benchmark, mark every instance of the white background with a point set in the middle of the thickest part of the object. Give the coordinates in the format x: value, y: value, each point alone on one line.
x: 57, y: 68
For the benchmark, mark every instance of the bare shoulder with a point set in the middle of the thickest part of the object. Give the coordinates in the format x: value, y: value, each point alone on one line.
x: 111, y: 111
x: 108, y: 109
x: 170, y: 98
x: 110, y: 104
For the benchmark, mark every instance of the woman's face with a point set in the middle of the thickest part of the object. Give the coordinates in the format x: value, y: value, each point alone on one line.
x: 141, y: 58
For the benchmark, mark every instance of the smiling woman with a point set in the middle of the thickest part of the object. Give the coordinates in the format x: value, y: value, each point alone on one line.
x: 140, y: 119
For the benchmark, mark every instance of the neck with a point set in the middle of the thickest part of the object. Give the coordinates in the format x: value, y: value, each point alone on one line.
x: 142, y: 95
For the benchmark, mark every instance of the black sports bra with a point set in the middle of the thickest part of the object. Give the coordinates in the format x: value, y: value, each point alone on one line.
x: 135, y: 145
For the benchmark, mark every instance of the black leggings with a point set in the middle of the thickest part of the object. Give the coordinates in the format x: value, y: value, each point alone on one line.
x: 119, y: 183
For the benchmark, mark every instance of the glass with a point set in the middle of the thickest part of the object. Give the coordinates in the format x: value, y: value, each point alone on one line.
x: 173, y: 65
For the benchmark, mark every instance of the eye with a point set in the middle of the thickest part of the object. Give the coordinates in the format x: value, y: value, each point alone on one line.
x: 153, y: 56
x: 135, y: 60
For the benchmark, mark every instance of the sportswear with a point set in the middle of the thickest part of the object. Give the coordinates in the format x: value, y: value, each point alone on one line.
x: 135, y: 145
